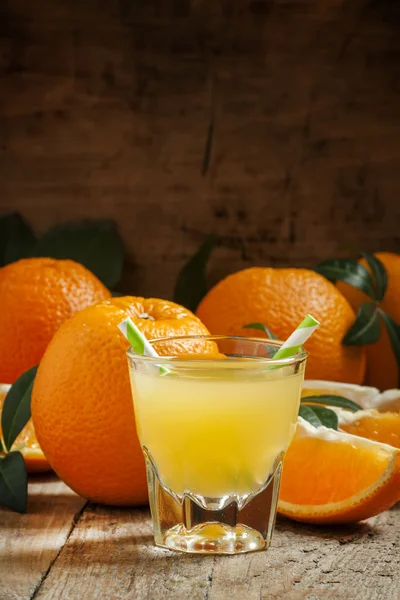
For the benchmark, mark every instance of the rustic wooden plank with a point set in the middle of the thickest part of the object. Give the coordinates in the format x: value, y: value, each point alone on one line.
x: 105, y: 111
x: 110, y: 555
x: 357, y: 563
x: 30, y: 543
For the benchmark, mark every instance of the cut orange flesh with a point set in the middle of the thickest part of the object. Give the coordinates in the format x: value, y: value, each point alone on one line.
x: 372, y: 424
x: 334, y: 477
x: 34, y: 458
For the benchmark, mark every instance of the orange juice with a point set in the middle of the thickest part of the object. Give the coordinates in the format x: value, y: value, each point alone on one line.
x: 216, y: 435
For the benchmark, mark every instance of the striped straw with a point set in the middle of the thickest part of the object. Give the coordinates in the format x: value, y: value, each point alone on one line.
x: 297, y: 338
x: 138, y: 341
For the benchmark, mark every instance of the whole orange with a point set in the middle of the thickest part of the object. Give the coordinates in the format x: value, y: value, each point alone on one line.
x: 82, y: 406
x: 382, y: 368
x: 36, y: 296
x: 281, y: 298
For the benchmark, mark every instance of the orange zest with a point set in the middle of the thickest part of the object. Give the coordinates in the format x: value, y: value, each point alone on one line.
x: 36, y: 296
x: 334, y: 477
x: 34, y: 458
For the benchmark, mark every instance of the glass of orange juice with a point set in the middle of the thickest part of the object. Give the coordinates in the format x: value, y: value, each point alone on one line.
x: 215, y: 415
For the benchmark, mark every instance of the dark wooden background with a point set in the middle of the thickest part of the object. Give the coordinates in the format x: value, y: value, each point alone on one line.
x: 274, y: 123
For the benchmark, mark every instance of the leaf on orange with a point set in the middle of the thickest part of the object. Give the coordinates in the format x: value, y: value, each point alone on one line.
x: 366, y: 396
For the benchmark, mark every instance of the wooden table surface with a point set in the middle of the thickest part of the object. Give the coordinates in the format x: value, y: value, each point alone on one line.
x: 65, y: 548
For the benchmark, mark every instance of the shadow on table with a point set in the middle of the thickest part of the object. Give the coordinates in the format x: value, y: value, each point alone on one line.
x: 109, y: 534
x: 50, y: 504
x: 342, y: 533
x: 121, y: 537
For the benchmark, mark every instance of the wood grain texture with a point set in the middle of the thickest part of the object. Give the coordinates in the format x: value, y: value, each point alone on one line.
x: 29, y: 544
x: 62, y: 549
x: 110, y: 554
x: 275, y: 124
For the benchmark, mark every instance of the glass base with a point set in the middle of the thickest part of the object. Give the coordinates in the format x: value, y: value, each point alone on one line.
x: 228, y: 525
x: 213, y: 538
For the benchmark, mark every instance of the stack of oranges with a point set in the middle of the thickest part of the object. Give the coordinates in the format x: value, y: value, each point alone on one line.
x: 81, y: 402
x: 51, y: 312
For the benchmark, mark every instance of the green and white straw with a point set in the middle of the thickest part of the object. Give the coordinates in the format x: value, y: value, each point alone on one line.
x: 297, y: 338
x: 140, y: 344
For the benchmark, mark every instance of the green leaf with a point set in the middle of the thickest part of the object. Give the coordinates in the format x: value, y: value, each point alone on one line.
x: 393, y: 330
x: 261, y: 327
x: 95, y: 244
x: 17, y: 407
x: 191, y: 285
x: 332, y: 400
x: 327, y: 417
x: 366, y: 329
x: 13, y: 482
x: 309, y: 415
x: 350, y: 271
x: 319, y: 416
x: 379, y: 274
x: 16, y: 239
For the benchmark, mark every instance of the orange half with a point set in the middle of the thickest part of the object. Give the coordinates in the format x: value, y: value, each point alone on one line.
x: 34, y: 458
x: 334, y: 477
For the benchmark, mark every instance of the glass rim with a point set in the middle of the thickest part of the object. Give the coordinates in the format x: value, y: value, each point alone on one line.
x: 299, y: 357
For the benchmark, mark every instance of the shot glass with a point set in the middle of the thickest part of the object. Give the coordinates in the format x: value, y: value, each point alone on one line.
x: 215, y: 415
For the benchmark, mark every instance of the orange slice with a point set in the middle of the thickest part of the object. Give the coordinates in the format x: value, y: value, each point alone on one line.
x: 365, y: 396
x: 34, y: 458
x: 334, y: 477
x: 382, y: 427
